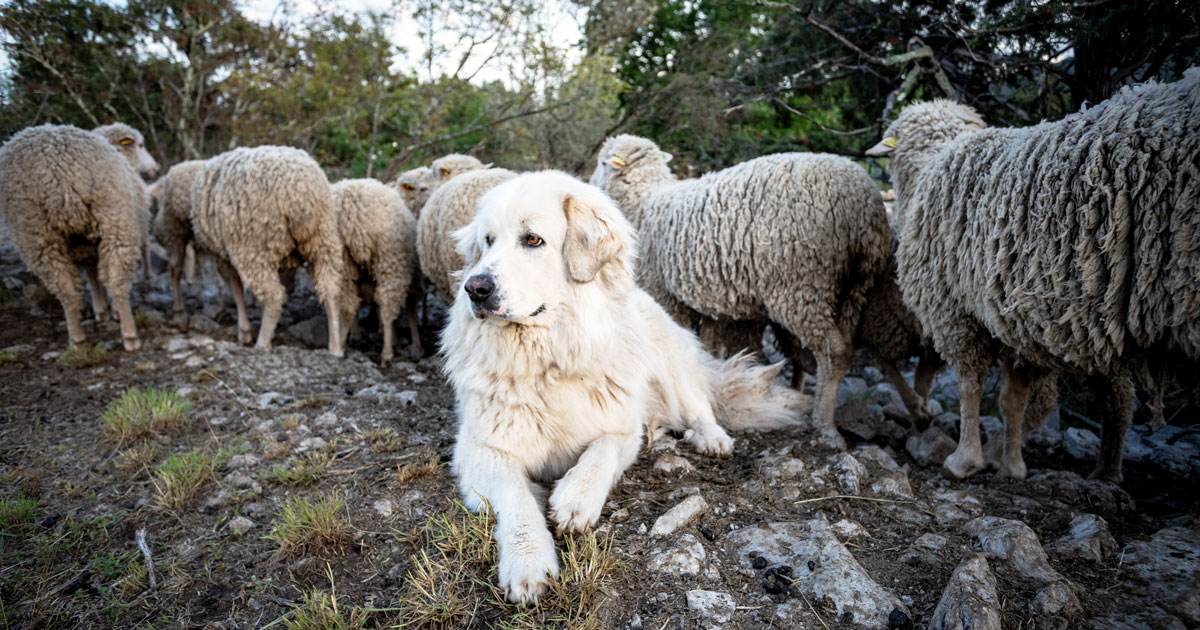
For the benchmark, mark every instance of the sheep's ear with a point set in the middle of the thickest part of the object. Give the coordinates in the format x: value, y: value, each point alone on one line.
x: 465, y: 243
x: 591, y: 240
x: 488, y: 165
x: 125, y: 142
x: 884, y: 148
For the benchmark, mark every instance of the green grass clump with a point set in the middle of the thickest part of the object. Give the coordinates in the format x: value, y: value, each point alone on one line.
x: 83, y: 355
x: 304, y: 525
x: 139, y: 413
x: 7, y: 356
x: 16, y: 513
x: 320, y: 611
x: 305, y: 470
x: 179, y: 478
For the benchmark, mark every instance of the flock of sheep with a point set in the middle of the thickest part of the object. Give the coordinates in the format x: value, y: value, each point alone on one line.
x: 1067, y: 246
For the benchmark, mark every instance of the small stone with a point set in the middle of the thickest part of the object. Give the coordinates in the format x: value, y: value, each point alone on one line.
x: 312, y: 444
x: 899, y: 619
x: 849, y: 530
x: 239, y: 480
x: 783, y: 468
x: 684, y: 559
x: 930, y: 542
x: 679, y: 515
x: 273, y: 399
x: 194, y: 361
x: 1088, y: 539
x: 851, y: 474
x: 242, y: 461
x: 931, y: 447
x: 52, y: 355
x: 383, y: 507
x: 326, y: 419
x: 969, y: 601
x: 1081, y: 443
x: 635, y: 622
x: 934, y: 407
x: 200, y: 323
x: 240, y: 524
x: 851, y: 388
x: 712, y: 604
x: 176, y: 344
x: 672, y: 464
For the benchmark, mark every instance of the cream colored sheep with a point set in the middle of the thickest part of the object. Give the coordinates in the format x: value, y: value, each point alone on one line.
x: 172, y: 194
x: 257, y: 211
x: 415, y: 186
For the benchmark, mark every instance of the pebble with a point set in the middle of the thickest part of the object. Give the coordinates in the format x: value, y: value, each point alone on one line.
x: 679, y: 516
x: 712, y: 604
x: 672, y: 464
x: 383, y: 507
x: 240, y: 524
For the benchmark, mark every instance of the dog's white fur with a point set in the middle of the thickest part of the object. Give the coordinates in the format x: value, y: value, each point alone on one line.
x: 561, y: 376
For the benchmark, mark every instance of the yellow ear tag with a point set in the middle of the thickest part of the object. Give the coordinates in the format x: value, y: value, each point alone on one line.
x: 618, y: 162
x: 407, y: 185
x: 445, y: 171
x: 126, y: 142
x: 890, y: 142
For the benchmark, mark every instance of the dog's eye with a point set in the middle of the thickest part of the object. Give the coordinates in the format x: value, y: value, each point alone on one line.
x: 488, y: 239
x: 533, y: 240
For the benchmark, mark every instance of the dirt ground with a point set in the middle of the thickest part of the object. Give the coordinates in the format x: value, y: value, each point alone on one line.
x: 74, y: 561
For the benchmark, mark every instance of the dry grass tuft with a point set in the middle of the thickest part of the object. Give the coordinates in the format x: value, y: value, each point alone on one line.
x: 83, y: 355
x: 453, y: 579
x: 144, y: 367
x: 384, y: 440
x: 179, y: 478
x: 312, y: 402
x: 136, y: 457
x: 320, y: 611
x: 140, y: 413
x: 428, y: 468
x: 303, y: 525
x: 305, y: 470
x: 141, y: 319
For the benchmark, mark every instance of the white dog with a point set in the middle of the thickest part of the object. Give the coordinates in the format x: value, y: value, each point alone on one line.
x: 560, y: 365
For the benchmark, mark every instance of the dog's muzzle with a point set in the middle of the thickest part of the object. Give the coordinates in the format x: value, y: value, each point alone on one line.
x: 481, y: 288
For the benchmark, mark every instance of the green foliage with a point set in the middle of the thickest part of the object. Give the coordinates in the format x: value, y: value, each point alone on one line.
x: 139, y: 413
x: 306, y: 525
x: 83, y: 355
x: 180, y: 477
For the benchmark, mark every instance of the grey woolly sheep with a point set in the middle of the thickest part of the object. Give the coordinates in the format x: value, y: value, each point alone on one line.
x: 450, y: 166
x: 130, y: 143
x: 379, y: 238
x: 415, y: 186
x: 172, y: 227
x: 257, y: 211
x: 450, y: 207
x: 72, y: 199
x: 1069, y: 245
x: 795, y: 238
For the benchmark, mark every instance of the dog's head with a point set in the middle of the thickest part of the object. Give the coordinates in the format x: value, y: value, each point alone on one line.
x: 538, y: 239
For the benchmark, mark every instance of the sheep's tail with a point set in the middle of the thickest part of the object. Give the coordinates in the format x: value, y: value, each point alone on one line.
x: 746, y: 396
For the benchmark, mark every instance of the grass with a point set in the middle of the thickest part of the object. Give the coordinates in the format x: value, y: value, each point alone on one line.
x: 16, y: 513
x: 384, y: 440
x: 453, y: 578
x: 136, y: 457
x: 312, y: 402
x: 83, y: 355
x: 320, y: 611
x: 8, y: 356
x: 405, y: 474
x: 179, y: 478
x: 303, y: 525
x: 144, y: 367
x: 141, y: 320
x: 139, y: 413
x: 305, y: 470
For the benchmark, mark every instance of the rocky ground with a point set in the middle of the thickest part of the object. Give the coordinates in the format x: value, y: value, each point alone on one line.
x: 780, y: 534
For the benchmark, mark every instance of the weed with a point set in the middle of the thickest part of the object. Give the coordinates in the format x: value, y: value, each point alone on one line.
x: 136, y: 457
x: 16, y: 513
x: 83, y: 355
x: 141, y: 320
x: 319, y: 611
x: 145, y: 367
x: 304, y: 470
x: 312, y: 402
x: 305, y: 525
x: 428, y: 468
x: 8, y: 356
x: 384, y: 440
x: 179, y: 478
x: 139, y: 413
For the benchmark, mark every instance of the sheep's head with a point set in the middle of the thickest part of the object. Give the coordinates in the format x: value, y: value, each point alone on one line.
x: 623, y: 154
x: 450, y: 166
x: 415, y: 186
x: 129, y: 143
x: 923, y: 128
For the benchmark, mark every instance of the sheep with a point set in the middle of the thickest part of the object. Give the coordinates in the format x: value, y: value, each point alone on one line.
x: 1067, y: 245
x: 795, y: 238
x: 74, y: 198
x: 130, y: 143
x: 415, y: 185
x: 172, y: 227
x: 258, y: 210
x: 450, y: 207
x: 379, y: 237
x: 450, y: 166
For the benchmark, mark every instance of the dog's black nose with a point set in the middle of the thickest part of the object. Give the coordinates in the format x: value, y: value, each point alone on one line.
x: 480, y: 287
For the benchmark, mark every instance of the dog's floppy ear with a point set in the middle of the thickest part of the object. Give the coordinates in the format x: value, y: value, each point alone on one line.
x: 467, y: 244
x: 596, y: 234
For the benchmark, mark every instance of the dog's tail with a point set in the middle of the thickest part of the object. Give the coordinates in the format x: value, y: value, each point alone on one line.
x: 746, y: 396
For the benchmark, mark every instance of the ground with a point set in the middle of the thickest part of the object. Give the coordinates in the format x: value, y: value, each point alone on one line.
x: 296, y: 428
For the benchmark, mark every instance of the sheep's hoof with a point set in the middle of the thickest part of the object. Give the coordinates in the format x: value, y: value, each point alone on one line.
x: 263, y: 347
x: 132, y: 344
x: 385, y: 361
x: 1103, y: 474
x: 961, y: 466
x: 1012, y: 471
x: 245, y: 339
x: 415, y: 352
x: 337, y: 352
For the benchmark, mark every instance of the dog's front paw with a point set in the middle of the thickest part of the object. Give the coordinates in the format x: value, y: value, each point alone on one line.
x: 527, y: 570
x: 573, y: 508
x: 715, y: 442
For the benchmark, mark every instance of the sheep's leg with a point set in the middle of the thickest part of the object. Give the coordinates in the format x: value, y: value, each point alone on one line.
x: 831, y: 367
x: 967, y: 459
x: 1116, y: 403
x: 914, y: 402
x: 189, y: 264
x: 1014, y: 400
x: 415, y: 351
x: 270, y: 293
x: 118, y: 263
x: 99, y: 297
x: 327, y: 266
x: 1043, y: 399
x: 178, y: 259
x: 52, y: 266
x: 927, y: 367
x: 239, y: 298
x: 387, y: 321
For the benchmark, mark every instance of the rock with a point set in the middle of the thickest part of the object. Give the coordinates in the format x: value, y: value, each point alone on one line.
x: 823, y: 569
x: 1072, y: 489
x: 851, y: 388
x: 872, y: 375
x: 857, y: 418
x: 948, y: 423
x: 243, y: 461
x: 934, y: 407
x: 311, y: 444
x: 1056, y: 605
x: 176, y: 344
x: 239, y: 480
x: 874, y: 455
x: 685, y: 559
x: 1014, y: 543
x: 895, y: 485
x: 849, y: 530
x: 383, y: 507
x: 1169, y: 566
x: 194, y: 361
x: 969, y: 601
x: 930, y: 542
x: 50, y: 356
x: 240, y: 525
x: 780, y: 468
x: 1081, y: 443
x: 679, y: 516
x: 1088, y: 539
x: 711, y: 604
x: 313, y: 331
x: 635, y: 622
x: 672, y: 464
x: 20, y: 348
x: 201, y: 323
x: 326, y: 419
x: 930, y: 447
x: 851, y: 474
x: 388, y: 392
x: 270, y: 400
x: 1155, y: 617
x: 951, y: 507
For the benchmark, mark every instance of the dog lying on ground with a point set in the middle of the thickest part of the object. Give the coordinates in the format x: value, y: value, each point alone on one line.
x: 561, y: 365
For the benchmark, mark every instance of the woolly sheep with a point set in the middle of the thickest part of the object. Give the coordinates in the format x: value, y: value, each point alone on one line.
x: 72, y: 199
x: 794, y: 238
x: 130, y: 143
x: 1068, y: 245
x: 415, y: 185
x: 450, y: 166
x: 172, y: 227
x: 379, y: 237
x: 258, y: 210
x: 450, y: 207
